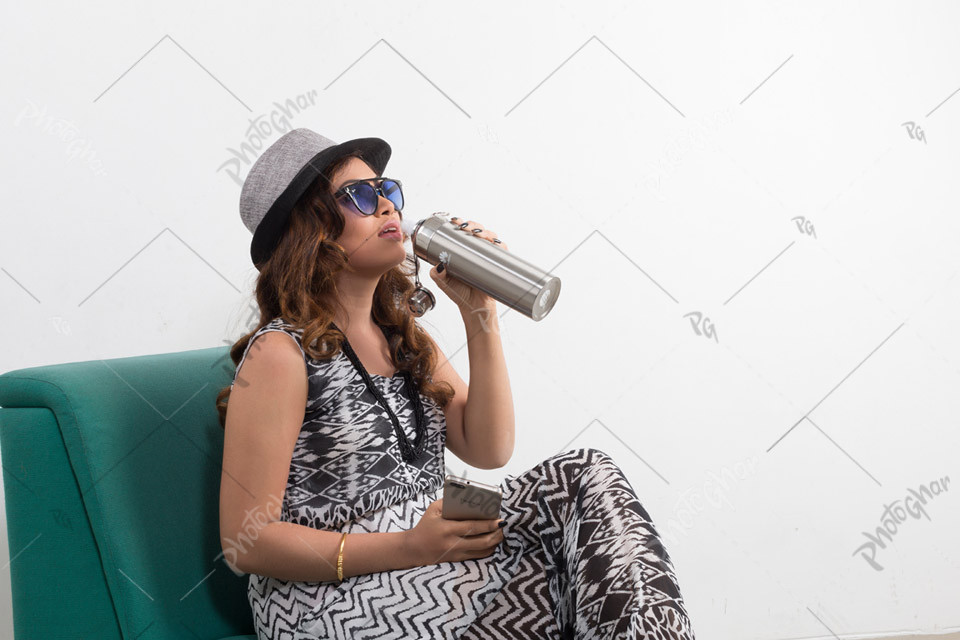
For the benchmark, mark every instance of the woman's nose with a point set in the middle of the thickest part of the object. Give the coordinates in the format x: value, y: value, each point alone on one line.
x: 384, y: 205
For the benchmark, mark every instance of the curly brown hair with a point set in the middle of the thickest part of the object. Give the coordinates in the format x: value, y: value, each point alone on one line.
x: 297, y: 281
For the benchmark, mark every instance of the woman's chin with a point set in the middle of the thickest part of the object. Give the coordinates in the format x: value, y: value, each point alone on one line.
x: 389, y: 261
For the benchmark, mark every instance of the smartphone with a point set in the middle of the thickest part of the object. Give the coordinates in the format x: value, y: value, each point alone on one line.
x: 469, y: 500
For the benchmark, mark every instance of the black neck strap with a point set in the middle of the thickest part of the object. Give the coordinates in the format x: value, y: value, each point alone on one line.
x: 410, y: 452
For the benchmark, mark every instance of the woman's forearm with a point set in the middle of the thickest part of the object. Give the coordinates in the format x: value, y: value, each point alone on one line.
x: 290, y: 551
x: 488, y: 418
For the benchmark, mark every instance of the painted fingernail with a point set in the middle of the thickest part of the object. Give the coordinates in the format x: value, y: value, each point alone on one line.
x: 465, y: 224
x: 478, y: 231
x: 501, y: 523
x: 440, y: 268
x: 498, y: 240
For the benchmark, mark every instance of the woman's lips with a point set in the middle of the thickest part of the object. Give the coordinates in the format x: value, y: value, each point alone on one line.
x: 393, y: 234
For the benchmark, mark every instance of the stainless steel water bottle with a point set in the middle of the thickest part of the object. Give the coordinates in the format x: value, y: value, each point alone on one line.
x: 482, y: 264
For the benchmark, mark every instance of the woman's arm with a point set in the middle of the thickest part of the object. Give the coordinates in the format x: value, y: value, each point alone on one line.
x: 264, y: 416
x: 290, y: 551
x: 480, y: 418
x: 488, y: 419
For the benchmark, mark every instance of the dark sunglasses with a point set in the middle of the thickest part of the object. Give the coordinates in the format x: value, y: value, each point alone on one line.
x: 365, y: 195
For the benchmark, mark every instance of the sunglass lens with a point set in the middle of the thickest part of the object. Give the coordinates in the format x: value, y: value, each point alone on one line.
x: 393, y: 192
x: 366, y: 198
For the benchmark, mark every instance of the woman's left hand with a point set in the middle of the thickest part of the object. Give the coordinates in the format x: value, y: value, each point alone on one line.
x: 468, y: 298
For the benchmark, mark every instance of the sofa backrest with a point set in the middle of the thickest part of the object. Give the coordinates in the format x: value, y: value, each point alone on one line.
x: 112, y: 474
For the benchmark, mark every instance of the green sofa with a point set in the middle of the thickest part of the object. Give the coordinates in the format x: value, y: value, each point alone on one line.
x: 111, y: 474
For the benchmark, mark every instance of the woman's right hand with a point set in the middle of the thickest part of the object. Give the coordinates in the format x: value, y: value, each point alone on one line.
x: 435, y: 539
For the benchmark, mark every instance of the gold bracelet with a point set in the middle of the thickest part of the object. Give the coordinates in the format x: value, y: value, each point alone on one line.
x: 343, y: 539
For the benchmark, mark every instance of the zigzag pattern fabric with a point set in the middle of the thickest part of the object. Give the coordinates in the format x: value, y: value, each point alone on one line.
x: 593, y: 563
x: 580, y: 557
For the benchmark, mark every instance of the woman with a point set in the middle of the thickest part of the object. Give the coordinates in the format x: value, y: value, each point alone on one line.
x: 335, y: 435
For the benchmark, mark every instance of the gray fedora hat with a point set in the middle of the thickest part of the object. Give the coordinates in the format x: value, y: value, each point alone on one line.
x: 282, y: 174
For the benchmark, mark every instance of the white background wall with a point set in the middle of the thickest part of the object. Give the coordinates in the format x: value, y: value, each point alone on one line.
x: 759, y: 257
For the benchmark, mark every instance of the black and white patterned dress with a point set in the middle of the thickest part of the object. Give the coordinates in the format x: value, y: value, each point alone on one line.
x: 580, y: 558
